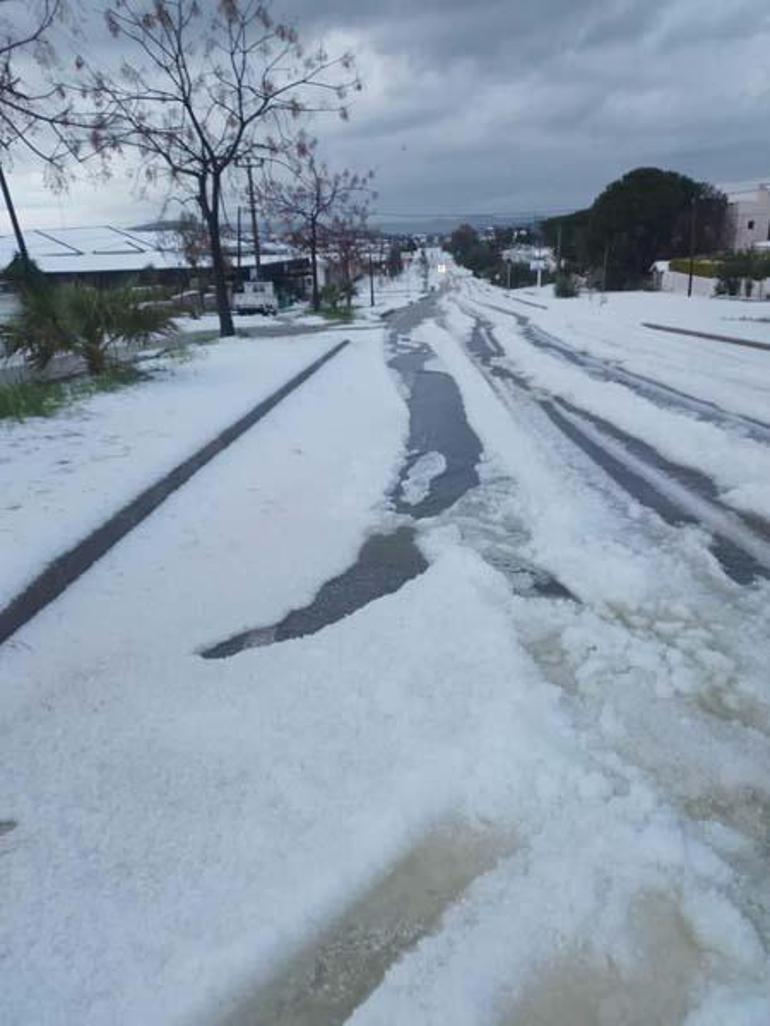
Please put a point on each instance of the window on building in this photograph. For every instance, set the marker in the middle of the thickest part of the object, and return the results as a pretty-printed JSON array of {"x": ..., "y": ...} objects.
[{"x": 750, "y": 225}]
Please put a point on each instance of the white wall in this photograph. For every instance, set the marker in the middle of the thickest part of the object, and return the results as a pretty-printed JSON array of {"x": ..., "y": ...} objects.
[
  {"x": 675, "y": 281},
  {"x": 751, "y": 209}
]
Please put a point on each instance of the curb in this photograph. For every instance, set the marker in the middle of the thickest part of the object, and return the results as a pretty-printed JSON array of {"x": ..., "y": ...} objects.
[
  {"x": 66, "y": 569},
  {"x": 745, "y": 342}
]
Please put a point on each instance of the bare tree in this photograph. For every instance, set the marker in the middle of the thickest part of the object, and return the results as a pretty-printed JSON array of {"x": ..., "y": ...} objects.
[
  {"x": 348, "y": 243},
  {"x": 315, "y": 204},
  {"x": 189, "y": 237},
  {"x": 23, "y": 40},
  {"x": 198, "y": 92}
]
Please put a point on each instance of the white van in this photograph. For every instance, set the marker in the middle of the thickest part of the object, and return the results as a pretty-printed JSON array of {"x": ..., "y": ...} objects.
[{"x": 258, "y": 297}]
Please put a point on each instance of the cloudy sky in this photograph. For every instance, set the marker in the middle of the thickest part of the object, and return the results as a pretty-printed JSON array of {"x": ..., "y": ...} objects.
[{"x": 508, "y": 106}]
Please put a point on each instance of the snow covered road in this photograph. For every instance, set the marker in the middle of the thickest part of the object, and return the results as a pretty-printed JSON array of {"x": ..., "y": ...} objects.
[{"x": 528, "y": 783}]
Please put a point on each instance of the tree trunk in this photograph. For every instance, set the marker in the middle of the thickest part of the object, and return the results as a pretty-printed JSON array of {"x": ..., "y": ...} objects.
[
  {"x": 314, "y": 268},
  {"x": 210, "y": 212},
  {"x": 14, "y": 221},
  {"x": 96, "y": 359}
]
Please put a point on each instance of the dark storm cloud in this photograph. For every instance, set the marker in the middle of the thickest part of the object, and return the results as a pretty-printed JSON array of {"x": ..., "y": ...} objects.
[
  {"x": 505, "y": 105},
  {"x": 516, "y": 105}
]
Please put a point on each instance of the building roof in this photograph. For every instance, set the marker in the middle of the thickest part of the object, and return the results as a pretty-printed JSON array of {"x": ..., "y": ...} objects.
[{"x": 91, "y": 250}]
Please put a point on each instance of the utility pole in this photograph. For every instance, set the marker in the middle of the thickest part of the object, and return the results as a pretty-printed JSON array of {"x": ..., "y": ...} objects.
[
  {"x": 558, "y": 248},
  {"x": 692, "y": 245},
  {"x": 23, "y": 253},
  {"x": 239, "y": 242},
  {"x": 248, "y": 167},
  {"x": 371, "y": 279},
  {"x": 254, "y": 226}
]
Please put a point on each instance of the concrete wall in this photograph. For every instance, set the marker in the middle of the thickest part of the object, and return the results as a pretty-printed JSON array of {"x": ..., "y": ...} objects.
[
  {"x": 675, "y": 281},
  {"x": 749, "y": 217}
]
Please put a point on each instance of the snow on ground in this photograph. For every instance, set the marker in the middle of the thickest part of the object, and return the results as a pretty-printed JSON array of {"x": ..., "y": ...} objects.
[
  {"x": 599, "y": 767},
  {"x": 62, "y": 476},
  {"x": 416, "y": 486},
  {"x": 184, "y": 825},
  {"x": 735, "y": 378},
  {"x": 740, "y": 466},
  {"x": 718, "y": 316}
]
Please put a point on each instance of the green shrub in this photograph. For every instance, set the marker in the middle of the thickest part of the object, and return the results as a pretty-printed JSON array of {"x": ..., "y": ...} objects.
[
  {"x": 701, "y": 268},
  {"x": 30, "y": 399},
  {"x": 44, "y": 398},
  {"x": 83, "y": 320},
  {"x": 331, "y": 296},
  {"x": 565, "y": 286}
]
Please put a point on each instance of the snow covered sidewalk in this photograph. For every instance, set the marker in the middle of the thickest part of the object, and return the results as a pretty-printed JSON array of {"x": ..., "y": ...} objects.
[{"x": 60, "y": 477}]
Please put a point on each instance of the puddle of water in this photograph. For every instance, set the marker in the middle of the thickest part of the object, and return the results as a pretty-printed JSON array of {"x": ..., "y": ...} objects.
[
  {"x": 328, "y": 979},
  {"x": 384, "y": 564},
  {"x": 579, "y": 990},
  {"x": 437, "y": 424}
]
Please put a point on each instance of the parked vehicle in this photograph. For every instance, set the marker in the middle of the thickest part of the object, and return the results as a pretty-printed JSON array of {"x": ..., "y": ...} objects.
[{"x": 257, "y": 297}]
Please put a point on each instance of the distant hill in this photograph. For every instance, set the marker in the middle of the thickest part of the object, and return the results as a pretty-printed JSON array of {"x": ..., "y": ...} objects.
[{"x": 445, "y": 224}]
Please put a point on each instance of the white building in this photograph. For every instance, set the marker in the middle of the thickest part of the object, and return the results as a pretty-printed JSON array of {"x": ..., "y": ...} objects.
[
  {"x": 528, "y": 254},
  {"x": 748, "y": 213}
]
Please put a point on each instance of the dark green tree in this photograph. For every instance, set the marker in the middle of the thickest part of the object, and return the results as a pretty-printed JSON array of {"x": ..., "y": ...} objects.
[{"x": 648, "y": 215}]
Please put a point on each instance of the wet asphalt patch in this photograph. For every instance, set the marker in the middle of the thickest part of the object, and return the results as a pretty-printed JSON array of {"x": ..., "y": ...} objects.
[
  {"x": 437, "y": 424},
  {"x": 384, "y": 564},
  {"x": 438, "y": 427}
]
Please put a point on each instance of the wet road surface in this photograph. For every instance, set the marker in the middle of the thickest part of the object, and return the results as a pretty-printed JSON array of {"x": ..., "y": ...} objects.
[{"x": 438, "y": 429}]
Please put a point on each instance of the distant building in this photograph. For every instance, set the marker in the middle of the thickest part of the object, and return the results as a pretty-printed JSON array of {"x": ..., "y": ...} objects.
[
  {"x": 748, "y": 213},
  {"x": 528, "y": 254},
  {"x": 107, "y": 256}
]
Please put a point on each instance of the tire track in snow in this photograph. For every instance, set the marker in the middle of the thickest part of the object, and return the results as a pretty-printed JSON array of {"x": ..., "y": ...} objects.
[
  {"x": 679, "y": 494},
  {"x": 657, "y": 392}
]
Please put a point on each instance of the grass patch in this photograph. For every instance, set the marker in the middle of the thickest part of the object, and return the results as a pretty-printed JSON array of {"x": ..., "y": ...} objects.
[
  {"x": 342, "y": 315},
  {"x": 701, "y": 267},
  {"x": 45, "y": 398},
  {"x": 31, "y": 399}
]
